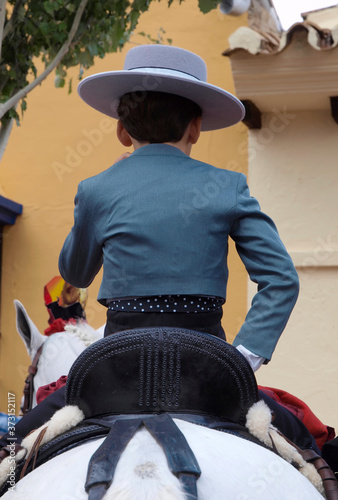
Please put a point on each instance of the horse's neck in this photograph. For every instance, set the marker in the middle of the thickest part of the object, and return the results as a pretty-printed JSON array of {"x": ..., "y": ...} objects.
[{"x": 59, "y": 353}]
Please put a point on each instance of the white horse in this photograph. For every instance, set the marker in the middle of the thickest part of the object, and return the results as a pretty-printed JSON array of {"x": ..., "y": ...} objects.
[
  {"x": 232, "y": 468},
  {"x": 59, "y": 351}
]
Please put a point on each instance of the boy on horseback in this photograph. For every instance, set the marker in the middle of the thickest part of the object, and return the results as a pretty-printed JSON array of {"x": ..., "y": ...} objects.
[{"x": 164, "y": 251}]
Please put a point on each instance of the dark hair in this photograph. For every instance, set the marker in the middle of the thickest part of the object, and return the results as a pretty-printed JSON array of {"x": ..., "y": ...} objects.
[{"x": 156, "y": 117}]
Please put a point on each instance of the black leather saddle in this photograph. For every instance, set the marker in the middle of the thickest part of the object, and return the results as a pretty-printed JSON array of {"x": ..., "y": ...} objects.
[
  {"x": 155, "y": 370},
  {"x": 146, "y": 377}
]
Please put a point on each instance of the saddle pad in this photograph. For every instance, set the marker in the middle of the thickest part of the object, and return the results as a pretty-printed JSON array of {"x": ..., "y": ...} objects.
[{"x": 162, "y": 370}]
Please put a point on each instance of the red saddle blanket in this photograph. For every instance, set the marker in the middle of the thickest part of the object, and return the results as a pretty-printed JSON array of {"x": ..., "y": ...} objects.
[
  {"x": 321, "y": 432},
  {"x": 46, "y": 390}
]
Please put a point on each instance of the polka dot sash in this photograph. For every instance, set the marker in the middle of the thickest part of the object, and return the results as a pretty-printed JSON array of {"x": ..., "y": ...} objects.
[{"x": 167, "y": 303}]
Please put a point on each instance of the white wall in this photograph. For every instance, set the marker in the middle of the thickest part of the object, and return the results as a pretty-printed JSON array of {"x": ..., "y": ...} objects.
[{"x": 293, "y": 171}]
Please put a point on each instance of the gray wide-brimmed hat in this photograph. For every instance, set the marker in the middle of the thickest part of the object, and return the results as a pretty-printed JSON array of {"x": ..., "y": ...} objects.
[{"x": 163, "y": 68}]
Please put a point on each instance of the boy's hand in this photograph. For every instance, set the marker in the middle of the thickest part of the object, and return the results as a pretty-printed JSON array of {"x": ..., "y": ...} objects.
[{"x": 123, "y": 156}]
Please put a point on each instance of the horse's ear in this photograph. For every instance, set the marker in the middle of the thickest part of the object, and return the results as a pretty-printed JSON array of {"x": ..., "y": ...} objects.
[{"x": 27, "y": 330}]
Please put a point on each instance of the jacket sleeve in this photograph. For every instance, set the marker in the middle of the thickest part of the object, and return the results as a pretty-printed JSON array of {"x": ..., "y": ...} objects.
[
  {"x": 81, "y": 255},
  {"x": 270, "y": 267}
]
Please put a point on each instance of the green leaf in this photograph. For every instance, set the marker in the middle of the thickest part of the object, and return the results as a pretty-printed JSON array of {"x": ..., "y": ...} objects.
[
  {"x": 206, "y": 6},
  {"x": 45, "y": 27},
  {"x": 49, "y": 7},
  {"x": 93, "y": 48},
  {"x": 12, "y": 113},
  {"x": 85, "y": 58},
  {"x": 59, "y": 82},
  {"x": 70, "y": 7},
  {"x": 70, "y": 85},
  {"x": 134, "y": 17},
  {"x": 23, "y": 106},
  {"x": 60, "y": 71}
]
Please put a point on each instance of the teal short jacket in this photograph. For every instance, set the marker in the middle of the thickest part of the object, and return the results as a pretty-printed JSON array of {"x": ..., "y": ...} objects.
[{"x": 159, "y": 222}]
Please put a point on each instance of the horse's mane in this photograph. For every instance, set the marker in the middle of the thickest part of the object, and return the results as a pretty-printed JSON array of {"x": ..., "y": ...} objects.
[{"x": 85, "y": 332}]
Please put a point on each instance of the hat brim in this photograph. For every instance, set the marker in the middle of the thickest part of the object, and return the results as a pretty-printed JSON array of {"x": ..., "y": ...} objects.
[{"x": 104, "y": 90}]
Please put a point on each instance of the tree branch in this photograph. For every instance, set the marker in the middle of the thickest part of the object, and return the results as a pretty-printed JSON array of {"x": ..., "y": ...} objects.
[
  {"x": 9, "y": 26},
  {"x": 6, "y": 106},
  {"x": 5, "y": 131},
  {"x": 2, "y": 21}
]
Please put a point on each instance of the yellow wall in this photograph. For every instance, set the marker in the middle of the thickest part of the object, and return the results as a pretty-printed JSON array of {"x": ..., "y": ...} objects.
[{"x": 62, "y": 141}]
